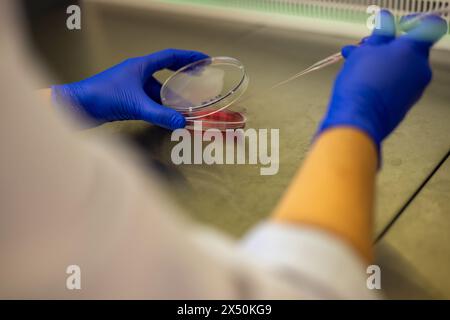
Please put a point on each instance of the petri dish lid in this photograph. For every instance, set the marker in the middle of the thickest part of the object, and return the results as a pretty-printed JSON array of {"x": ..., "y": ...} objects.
[{"x": 205, "y": 87}]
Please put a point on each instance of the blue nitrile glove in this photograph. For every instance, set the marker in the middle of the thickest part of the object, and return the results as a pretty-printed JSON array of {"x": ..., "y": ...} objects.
[
  {"x": 383, "y": 77},
  {"x": 127, "y": 91}
]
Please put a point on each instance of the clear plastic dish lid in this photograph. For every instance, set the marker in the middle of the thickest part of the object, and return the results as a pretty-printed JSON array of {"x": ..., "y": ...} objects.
[{"x": 202, "y": 88}]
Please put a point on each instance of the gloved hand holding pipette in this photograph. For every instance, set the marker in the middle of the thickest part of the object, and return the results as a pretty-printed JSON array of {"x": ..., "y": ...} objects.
[{"x": 366, "y": 93}]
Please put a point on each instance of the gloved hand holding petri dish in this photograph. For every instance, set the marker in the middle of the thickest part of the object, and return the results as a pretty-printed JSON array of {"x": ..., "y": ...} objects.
[{"x": 205, "y": 90}]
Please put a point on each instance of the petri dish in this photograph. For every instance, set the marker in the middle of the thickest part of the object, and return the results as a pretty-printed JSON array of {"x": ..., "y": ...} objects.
[{"x": 205, "y": 87}]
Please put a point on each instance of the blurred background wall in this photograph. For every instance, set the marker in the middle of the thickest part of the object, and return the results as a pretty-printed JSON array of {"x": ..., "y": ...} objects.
[
  {"x": 69, "y": 57},
  {"x": 62, "y": 50}
]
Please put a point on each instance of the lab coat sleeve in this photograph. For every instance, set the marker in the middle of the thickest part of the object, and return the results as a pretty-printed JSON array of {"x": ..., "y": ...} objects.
[
  {"x": 66, "y": 201},
  {"x": 322, "y": 265}
]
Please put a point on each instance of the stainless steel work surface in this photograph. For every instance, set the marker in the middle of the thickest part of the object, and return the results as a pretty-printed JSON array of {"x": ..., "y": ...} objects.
[{"x": 234, "y": 197}]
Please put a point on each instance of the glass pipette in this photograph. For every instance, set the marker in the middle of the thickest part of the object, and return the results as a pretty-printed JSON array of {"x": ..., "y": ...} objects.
[{"x": 316, "y": 66}]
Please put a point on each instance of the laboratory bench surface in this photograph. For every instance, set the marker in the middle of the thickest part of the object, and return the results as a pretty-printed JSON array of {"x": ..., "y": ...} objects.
[{"x": 414, "y": 247}]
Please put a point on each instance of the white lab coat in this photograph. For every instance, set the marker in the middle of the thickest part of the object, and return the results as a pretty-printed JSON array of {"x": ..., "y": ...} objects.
[{"x": 66, "y": 201}]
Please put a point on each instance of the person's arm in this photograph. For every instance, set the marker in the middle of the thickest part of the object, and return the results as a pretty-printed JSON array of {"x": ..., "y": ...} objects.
[
  {"x": 380, "y": 81},
  {"x": 334, "y": 189},
  {"x": 319, "y": 237}
]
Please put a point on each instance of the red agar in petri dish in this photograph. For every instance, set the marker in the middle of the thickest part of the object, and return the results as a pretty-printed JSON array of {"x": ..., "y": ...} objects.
[{"x": 221, "y": 120}]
